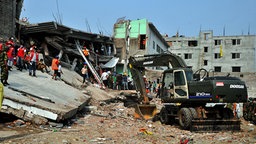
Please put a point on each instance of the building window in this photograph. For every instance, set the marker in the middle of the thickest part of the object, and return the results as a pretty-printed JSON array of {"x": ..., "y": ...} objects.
[
  {"x": 206, "y": 49},
  {"x": 143, "y": 41},
  {"x": 236, "y": 41},
  {"x": 118, "y": 51},
  {"x": 170, "y": 43},
  {"x": 192, "y": 43},
  {"x": 217, "y": 55},
  {"x": 217, "y": 42},
  {"x": 235, "y": 55},
  {"x": 206, "y": 36},
  {"x": 188, "y": 56},
  {"x": 158, "y": 49},
  {"x": 154, "y": 45},
  {"x": 205, "y": 62},
  {"x": 217, "y": 69},
  {"x": 236, "y": 69}
]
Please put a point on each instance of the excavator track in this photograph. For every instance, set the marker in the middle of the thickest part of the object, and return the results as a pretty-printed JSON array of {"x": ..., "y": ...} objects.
[{"x": 199, "y": 125}]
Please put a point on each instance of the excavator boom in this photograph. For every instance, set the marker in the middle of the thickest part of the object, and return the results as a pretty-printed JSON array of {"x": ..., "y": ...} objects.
[{"x": 166, "y": 59}]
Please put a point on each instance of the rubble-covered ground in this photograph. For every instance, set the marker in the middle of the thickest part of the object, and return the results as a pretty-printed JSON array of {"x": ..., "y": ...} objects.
[{"x": 110, "y": 120}]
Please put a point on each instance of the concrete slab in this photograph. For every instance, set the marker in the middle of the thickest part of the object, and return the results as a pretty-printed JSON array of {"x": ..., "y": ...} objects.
[{"x": 41, "y": 98}]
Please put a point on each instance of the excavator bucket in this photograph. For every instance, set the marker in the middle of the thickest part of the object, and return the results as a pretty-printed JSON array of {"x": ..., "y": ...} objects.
[{"x": 145, "y": 111}]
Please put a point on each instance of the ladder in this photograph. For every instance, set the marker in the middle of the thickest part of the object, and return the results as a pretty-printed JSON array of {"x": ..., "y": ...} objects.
[{"x": 94, "y": 72}]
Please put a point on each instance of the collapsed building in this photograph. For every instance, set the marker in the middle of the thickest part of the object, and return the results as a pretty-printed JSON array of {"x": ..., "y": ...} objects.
[
  {"x": 56, "y": 39},
  {"x": 39, "y": 99}
]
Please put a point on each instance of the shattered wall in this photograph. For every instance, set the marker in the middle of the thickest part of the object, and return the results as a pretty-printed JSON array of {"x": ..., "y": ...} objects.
[{"x": 9, "y": 11}]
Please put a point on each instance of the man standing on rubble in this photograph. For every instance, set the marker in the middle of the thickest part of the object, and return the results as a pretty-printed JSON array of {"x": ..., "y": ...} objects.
[
  {"x": 33, "y": 60},
  {"x": 3, "y": 64},
  {"x": 20, "y": 57},
  {"x": 86, "y": 52},
  {"x": 55, "y": 63},
  {"x": 84, "y": 72},
  {"x": 104, "y": 78},
  {"x": 10, "y": 52}
]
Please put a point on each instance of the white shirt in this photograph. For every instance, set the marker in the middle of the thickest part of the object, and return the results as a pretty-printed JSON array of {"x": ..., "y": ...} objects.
[{"x": 104, "y": 76}]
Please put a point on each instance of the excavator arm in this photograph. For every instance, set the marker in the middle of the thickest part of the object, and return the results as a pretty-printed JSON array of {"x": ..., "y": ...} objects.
[{"x": 169, "y": 60}]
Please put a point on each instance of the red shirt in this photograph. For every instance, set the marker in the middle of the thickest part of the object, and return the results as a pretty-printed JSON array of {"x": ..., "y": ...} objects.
[
  {"x": 31, "y": 56},
  {"x": 9, "y": 43},
  {"x": 21, "y": 52},
  {"x": 11, "y": 52}
]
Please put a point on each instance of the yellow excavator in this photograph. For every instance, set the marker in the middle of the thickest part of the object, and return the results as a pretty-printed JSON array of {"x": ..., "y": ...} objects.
[{"x": 194, "y": 100}]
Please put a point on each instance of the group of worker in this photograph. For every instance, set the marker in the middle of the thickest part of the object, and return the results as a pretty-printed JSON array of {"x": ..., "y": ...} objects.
[
  {"x": 116, "y": 81},
  {"x": 13, "y": 52},
  {"x": 110, "y": 79}
]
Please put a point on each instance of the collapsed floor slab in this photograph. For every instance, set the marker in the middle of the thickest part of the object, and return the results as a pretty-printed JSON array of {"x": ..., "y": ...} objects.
[{"x": 41, "y": 98}]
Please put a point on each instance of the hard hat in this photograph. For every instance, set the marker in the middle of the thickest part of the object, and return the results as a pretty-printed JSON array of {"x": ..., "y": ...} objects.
[{"x": 11, "y": 38}]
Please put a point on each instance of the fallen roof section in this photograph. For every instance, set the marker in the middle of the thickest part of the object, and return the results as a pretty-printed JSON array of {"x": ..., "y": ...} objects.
[
  {"x": 41, "y": 98},
  {"x": 111, "y": 63}
]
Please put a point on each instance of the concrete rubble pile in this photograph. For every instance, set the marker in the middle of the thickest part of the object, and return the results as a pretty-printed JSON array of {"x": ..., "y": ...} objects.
[{"x": 108, "y": 118}]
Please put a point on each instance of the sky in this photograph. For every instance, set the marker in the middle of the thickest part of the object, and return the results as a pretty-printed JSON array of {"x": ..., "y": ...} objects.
[{"x": 188, "y": 17}]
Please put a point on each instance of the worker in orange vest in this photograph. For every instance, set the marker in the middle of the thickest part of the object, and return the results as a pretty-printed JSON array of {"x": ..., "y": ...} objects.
[
  {"x": 55, "y": 63},
  {"x": 86, "y": 52}
]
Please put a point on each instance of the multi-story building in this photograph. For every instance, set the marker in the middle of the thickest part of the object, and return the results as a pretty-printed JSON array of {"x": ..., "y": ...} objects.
[
  {"x": 216, "y": 53},
  {"x": 136, "y": 37}
]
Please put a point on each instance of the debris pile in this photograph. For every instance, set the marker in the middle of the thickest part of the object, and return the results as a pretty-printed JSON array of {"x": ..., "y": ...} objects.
[{"x": 109, "y": 119}]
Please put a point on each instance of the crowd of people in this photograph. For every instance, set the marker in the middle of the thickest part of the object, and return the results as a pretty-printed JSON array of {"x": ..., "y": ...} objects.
[
  {"x": 14, "y": 53},
  {"x": 110, "y": 79}
]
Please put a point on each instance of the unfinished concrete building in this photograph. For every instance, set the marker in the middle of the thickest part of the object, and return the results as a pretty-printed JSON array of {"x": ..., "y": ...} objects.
[
  {"x": 136, "y": 37},
  {"x": 216, "y": 53},
  {"x": 220, "y": 55}
]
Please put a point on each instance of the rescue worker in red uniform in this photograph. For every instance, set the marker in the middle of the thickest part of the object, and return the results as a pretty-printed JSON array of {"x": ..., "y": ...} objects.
[
  {"x": 10, "y": 52},
  {"x": 20, "y": 57}
]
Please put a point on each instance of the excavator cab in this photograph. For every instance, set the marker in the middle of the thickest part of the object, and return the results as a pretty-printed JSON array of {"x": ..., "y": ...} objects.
[
  {"x": 175, "y": 83},
  {"x": 180, "y": 84}
]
